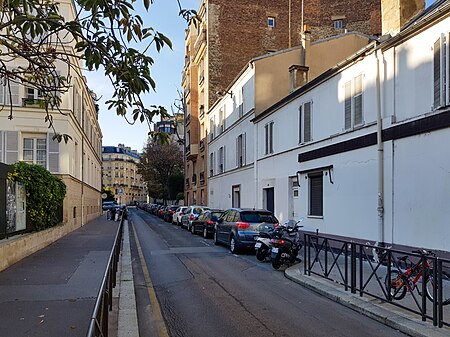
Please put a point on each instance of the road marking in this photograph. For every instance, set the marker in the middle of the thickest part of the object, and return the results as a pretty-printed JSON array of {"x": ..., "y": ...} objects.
[{"x": 156, "y": 309}]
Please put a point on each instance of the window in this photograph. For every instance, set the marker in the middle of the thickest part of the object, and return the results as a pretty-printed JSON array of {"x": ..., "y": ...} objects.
[
  {"x": 268, "y": 132},
  {"x": 441, "y": 71},
  {"x": 315, "y": 194},
  {"x": 240, "y": 150},
  {"x": 222, "y": 120},
  {"x": 35, "y": 151},
  {"x": 211, "y": 164},
  {"x": 353, "y": 104},
  {"x": 271, "y": 22},
  {"x": 221, "y": 159},
  {"x": 305, "y": 122},
  {"x": 338, "y": 24},
  {"x": 211, "y": 129}
]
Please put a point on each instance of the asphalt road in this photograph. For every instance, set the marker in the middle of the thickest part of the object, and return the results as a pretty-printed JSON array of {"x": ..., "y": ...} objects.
[{"x": 204, "y": 290}]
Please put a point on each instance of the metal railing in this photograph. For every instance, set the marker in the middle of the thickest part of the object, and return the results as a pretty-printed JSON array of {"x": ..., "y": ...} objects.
[
  {"x": 370, "y": 270},
  {"x": 98, "y": 326}
]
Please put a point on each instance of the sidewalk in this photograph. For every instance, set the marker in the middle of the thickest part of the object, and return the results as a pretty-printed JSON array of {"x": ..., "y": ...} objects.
[
  {"x": 383, "y": 312},
  {"x": 52, "y": 292}
]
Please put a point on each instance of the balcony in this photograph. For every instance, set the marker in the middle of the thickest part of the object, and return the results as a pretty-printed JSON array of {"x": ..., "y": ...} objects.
[
  {"x": 194, "y": 179},
  {"x": 187, "y": 182},
  {"x": 202, "y": 178},
  {"x": 33, "y": 102},
  {"x": 202, "y": 144},
  {"x": 201, "y": 41},
  {"x": 191, "y": 151}
]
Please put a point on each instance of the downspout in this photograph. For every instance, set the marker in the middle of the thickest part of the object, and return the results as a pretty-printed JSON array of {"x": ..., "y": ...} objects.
[
  {"x": 82, "y": 161},
  {"x": 289, "y": 46},
  {"x": 380, "y": 149}
]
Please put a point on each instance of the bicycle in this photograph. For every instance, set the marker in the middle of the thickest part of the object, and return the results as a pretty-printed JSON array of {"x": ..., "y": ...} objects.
[{"x": 402, "y": 281}]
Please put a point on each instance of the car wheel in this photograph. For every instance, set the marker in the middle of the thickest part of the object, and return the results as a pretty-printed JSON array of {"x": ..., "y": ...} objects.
[
  {"x": 233, "y": 248},
  {"x": 188, "y": 227},
  {"x": 205, "y": 233},
  {"x": 192, "y": 229}
]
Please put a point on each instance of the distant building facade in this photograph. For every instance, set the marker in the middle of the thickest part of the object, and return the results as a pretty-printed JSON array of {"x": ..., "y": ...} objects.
[{"x": 120, "y": 166}]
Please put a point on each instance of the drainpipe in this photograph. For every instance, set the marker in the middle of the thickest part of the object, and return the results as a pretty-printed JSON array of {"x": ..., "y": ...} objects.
[
  {"x": 380, "y": 149},
  {"x": 82, "y": 161}
]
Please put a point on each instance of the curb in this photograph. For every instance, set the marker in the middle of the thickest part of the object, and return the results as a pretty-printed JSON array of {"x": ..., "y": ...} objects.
[
  {"x": 369, "y": 307},
  {"x": 127, "y": 316}
]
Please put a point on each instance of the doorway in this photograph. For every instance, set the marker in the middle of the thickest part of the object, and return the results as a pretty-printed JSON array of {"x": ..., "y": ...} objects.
[{"x": 269, "y": 198}]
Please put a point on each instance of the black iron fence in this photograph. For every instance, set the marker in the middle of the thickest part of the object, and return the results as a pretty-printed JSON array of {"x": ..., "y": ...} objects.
[
  {"x": 418, "y": 282},
  {"x": 98, "y": 326}
]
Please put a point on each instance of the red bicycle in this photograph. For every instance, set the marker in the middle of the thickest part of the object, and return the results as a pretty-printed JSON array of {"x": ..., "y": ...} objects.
[{"x": 400, "y": 282}]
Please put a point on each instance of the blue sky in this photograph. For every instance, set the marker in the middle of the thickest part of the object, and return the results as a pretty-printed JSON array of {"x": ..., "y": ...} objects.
[
  {"x": 166, "y": 71},
  {"x": 163, "y": 16}
]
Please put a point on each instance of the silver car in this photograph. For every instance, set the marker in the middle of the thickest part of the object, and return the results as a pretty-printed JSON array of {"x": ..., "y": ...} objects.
[
  {"x": 178, "y": 214},
  {"x": 191, "y": 214}
]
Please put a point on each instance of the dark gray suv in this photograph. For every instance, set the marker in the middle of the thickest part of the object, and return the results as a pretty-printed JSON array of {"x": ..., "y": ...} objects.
[{"x": 239, "y": 227}]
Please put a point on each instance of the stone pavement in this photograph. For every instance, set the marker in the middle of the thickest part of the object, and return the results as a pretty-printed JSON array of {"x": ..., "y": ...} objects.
[
  {"x": 52, "y": 292},
  {"x": 383, "y": 312}
]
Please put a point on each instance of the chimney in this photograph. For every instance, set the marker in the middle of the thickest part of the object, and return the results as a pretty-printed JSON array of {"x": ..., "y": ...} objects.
[
  {"x": 306, "y": 44},
  {"x": 395, "y": 13},
  {"x": 298, "y": 75}
]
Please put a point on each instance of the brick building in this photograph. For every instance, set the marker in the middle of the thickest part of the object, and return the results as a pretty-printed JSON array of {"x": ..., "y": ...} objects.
[{"x": 233, "y": 32}]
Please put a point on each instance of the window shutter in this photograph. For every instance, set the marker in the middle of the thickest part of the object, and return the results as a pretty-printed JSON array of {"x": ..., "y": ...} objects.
[
  {"x": 12, "y": 147},
  {"x": 271, "y": 137},
  {"x": 348, "y": 105},
  {"x": 307, "y": 121},
  {"x": 437, "y": 73},
  {"x": 266, "y": 129},
  {"x": 1, "y": 146},
  {"x": 316, "y": 194},
  {"x": 223, "y": 160},
  {"x": 358, "y": 100},
  {"x": 300, "y": 124},
  {"x": 53, "y": 154},
  {"x": 244, "y": 144},
  {"x": 2, "y": 91},
  {"x": 12, "y": 93},
  {"x": 237, "y": 151}
]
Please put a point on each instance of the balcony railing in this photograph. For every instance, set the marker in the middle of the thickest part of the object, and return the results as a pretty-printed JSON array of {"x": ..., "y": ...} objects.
[
  {"x": 33, "y": 102},
  {"x": 202, "y": 144},
  {"x": 194, "y": 179},
  {"x": 200, "y": 40},
  {"x": 187, "y": 182},
  {"x": 202, "y": 178}
]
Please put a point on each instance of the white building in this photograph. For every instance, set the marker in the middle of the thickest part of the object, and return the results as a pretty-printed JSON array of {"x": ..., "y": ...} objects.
[{"x": 362, "y": 150}]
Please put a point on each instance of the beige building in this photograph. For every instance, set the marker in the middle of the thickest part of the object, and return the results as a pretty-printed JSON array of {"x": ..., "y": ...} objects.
[
  {"x": 27, "y": 137},
  {"x": 120, "y": 166}
]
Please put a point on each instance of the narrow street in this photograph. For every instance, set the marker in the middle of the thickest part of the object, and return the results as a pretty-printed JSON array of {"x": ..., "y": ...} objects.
[{"x": 204, "y": 290}]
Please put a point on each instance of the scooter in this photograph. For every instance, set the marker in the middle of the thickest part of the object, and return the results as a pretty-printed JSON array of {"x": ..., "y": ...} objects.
[
  {"x": 263, "y": 243},
  {"x": 286, "y": 247}
]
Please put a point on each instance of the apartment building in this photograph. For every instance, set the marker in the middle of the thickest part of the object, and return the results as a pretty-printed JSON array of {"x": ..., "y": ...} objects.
[
  {"x": 27, "y": 137},
  {"x": 120, "y": 174},
  {"x": 229, "y": 35}
]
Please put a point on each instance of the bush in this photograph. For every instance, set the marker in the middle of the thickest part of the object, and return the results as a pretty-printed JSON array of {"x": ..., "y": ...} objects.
[
  {"x": 45, "y": 194},
  {"x": 180, "y": 196}
]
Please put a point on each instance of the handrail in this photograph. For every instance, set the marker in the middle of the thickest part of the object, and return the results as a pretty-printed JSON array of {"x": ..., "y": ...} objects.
[
  {"x": 334, "y": 259},
  {"x": 98, "y": 326}
]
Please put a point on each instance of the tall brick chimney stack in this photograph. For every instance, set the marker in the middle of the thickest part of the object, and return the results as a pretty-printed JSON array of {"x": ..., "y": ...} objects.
[{"x": 395, "y": 13}]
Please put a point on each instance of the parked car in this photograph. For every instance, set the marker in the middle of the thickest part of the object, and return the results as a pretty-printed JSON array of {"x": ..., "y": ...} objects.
[
  {"x": 178, "y": 214},
  {"x": 239, "y": 227},
  {"x": 168, "y": 213},
  {"x": 206, "y": 221},
  {"x": 191, "y": 214},
  {"x": 106, "y": 205},
  {"x": 161, "y": 211}
]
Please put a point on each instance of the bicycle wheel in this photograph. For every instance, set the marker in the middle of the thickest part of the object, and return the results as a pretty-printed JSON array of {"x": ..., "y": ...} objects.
[
  {"x": 430, "y": 283},
  {"x": 396, "y": 285}
]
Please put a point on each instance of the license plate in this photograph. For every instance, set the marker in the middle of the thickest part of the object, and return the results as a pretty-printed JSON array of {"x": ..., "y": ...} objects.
[
  {"x": 275, "y": 250},
  {"x": 258, "y": 245}
]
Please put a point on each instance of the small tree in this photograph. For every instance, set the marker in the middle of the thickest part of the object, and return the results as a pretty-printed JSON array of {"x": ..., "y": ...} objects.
[{"x": 159, "y": 163}]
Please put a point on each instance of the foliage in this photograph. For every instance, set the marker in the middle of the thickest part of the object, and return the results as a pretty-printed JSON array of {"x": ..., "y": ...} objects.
[
  {"x": 45, "y": 193},
  {"x": 180, "y": 196},
  {"x": 175, "y": 185},
  {"x": 109, "y": 194},
  {"x": 109, "y": 35},
  {"x": 158, "y": 164}
]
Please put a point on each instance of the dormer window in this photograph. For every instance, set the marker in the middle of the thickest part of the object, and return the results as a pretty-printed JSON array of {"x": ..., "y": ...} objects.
[
  {"x": 271, "y": 22},
  {"x": 338, "y": 24}
]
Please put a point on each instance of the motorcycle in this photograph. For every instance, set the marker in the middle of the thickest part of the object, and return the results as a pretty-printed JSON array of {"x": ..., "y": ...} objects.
[{"x": 286, "y": 247}]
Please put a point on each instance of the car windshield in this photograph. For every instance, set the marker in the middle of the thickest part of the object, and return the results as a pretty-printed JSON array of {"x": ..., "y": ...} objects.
[
  {"x": 258, "y": 217},
  {"x": 197, "y": 210},
  {"x": 216, "y": 215},
  {"x": 173, "y": 208}
]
